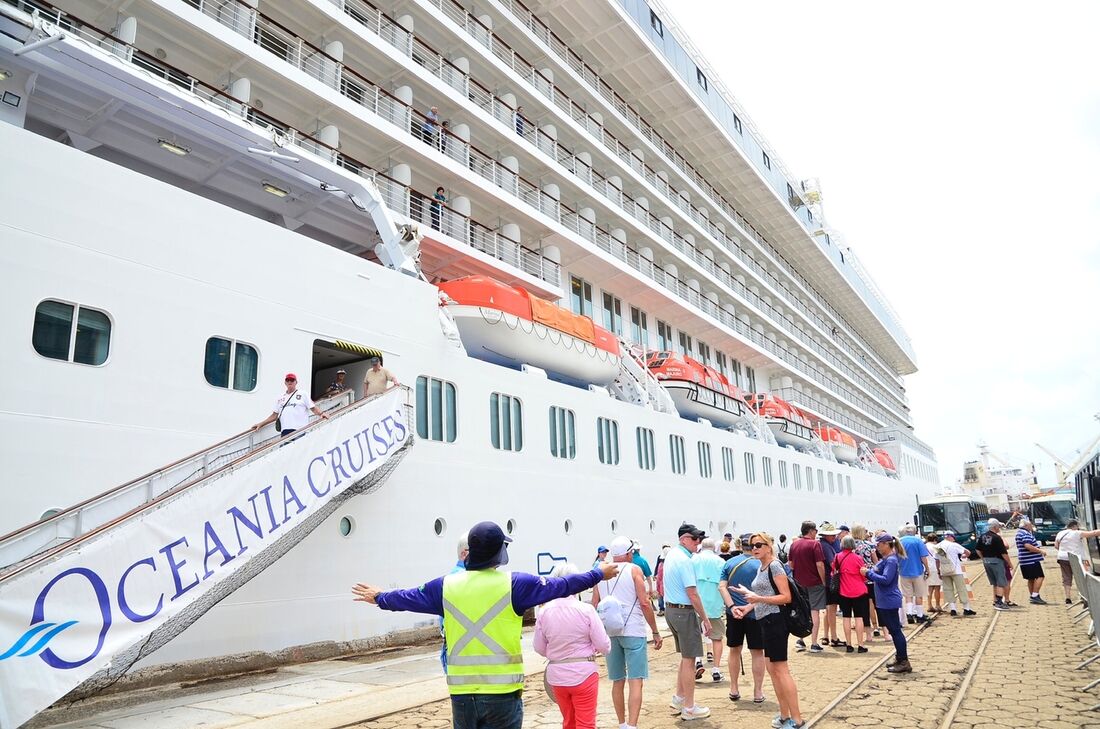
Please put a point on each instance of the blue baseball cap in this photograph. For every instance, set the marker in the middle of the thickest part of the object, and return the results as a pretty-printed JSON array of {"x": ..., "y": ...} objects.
[{"x": 488, "y": 546}]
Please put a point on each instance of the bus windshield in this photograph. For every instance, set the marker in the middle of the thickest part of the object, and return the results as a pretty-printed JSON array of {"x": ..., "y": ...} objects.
[
  {"x": 953, "y": 516},
  {"x": 1052, "y": 512}
]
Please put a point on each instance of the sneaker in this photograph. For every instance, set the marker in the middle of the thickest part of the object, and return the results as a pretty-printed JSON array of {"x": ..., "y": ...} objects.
[
  {"x": 954, "y": 614},
  {"x": 968, "y": 611},
  {"x": 911, "y": 619},
  {"x": 710, "y": 657},
  {"x": 716, "y": 675},
  {"x": 861, "y": 649},
  {"x": 690, "y": 713},
  {"x": 815, "y": 648},
  {"x": 1000, "y": 606},
  {"x": 778, "y": 722},
  {"x": 792, "y": 725},
  {"x": 920, "y": 619},
  {"x": 1037, "y": 600},
  {"x": 677, "y": 702},
  {"x": 800, "y": 644},
  {"x": 1069, "y": 601}
]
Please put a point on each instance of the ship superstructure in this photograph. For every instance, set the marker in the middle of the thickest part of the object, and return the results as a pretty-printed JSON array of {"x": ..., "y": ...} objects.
[{"x": 585, "y": 154}]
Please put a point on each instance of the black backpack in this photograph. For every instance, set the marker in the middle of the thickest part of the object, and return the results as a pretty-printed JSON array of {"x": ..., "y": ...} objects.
[{"x": 797, "y": 612}]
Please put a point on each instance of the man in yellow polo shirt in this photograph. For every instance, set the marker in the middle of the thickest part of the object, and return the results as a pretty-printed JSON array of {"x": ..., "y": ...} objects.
[{"x": 482, "y": 611}]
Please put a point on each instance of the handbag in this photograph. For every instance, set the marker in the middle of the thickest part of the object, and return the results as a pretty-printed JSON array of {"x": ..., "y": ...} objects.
[
  {"x": 279, "y": 417},
  {"x": 834, "y": 579}
]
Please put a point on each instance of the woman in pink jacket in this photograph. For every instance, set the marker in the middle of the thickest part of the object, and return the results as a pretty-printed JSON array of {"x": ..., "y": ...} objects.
[
  {"x": 569, "y": 633},
  {"x": 855, "y": 603}
]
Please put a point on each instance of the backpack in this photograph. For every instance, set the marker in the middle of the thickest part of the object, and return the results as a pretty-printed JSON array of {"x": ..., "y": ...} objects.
[
  {"x": 782, "y": 555},
  {"x": 796, "y": 614},
  {"x": 612, "y": 612},
  {"x": 947, "y": 566}
]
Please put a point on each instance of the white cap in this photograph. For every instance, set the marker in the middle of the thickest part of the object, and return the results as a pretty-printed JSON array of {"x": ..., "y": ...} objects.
[{"x": 621, "y": 545}]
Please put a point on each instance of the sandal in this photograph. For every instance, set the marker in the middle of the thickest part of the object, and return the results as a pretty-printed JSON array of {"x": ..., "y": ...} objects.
[
  {"x": 735, "y": 697},
  {"x": 759, "y": 699},
  {"x": 699, "y": 671}
]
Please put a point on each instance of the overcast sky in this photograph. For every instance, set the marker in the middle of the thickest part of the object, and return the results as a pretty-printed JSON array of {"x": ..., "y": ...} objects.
[{"x": 958, "y": 148}]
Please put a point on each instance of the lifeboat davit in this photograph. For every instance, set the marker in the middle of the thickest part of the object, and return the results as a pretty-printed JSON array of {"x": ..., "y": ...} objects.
[
  {"x": 843, "y": 445},
  {"x": 788, "y": 424},
  {"x": 508, "y": 326},
  {"x": 699, "y": 391},
  {"x": 886, "y": 461}
]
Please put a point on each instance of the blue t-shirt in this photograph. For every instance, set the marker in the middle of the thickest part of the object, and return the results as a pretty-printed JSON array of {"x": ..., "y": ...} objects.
[
  {"x": 1023, "y": 536},
  {"x": 915, "y": 552},
  {"x": 643, "y": 565},
  {"x": 708, "y": 572},
  {"x": 679, "y": 575},
  {"x": 740, "y": 571}
]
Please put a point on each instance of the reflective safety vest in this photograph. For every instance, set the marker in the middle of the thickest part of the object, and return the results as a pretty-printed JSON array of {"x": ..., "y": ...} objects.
[{"x": 483, "y": 633}]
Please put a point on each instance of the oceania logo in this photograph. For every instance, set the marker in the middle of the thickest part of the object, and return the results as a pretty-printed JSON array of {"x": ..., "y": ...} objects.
[{"x": 43, "y": 632}]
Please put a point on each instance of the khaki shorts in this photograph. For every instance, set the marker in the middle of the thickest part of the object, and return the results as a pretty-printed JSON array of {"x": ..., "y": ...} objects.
[
  {"x": 686, "y": 631},
  {"x": 717, "y": 628},
  {"x": 913, "y": 587}
]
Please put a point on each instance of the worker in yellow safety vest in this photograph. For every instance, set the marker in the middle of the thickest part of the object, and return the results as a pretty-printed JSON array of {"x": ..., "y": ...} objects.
[{"x": 482, "y": 611}]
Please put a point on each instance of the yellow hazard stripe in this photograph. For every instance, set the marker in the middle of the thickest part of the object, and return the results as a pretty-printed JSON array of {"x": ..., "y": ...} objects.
[{"x": 358, "y": 349}]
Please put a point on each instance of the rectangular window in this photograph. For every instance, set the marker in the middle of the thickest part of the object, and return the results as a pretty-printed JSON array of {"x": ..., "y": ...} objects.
[
  {"x": 676, "y": 453},
  {"x": 737, "y": 124},
  {"x": 664, "y": 336},
  {"x": 735, "y": 374},
  {"x": 767, "y": 160},
  {"x": 607, "y": 440},
  {"x": 721, "y": 364},
  {"x": 612, "y": 314},
  {"x": 750, "y": 379},
  {"x": 704, "y": 353},
  {"x": 766, "y": 468},
  {"x": 783, "y": 474},
  {"x": 705, "y": 469},
  {"x": 505, "y": 422},
  {"x": 727, "y": 463},
  {"x": 685, "y": 345},
  {"x": 701, "y": 77},
  {"x": 832, "y": 484},
  {"x": 563, "y": 433},
  {"x": 656, "y": 24},
  {"x": 228, "y": 362},
  {"x": 820, "y": 480},
  {"x": 580, "y": 296},
  {"x": 809, "y": 479},
  {"x": 436, "y": 409},
  {"x": 848, "y": 481},
  {"x": 55, "y": 337},
  {"x": 639, "y": 327},
  {"x": 647, "y": 456},
  {"x": 750, "y": 468}
]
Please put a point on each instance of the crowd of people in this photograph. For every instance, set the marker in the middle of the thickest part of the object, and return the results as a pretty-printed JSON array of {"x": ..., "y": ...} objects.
[{"x": 714, "y": 595}]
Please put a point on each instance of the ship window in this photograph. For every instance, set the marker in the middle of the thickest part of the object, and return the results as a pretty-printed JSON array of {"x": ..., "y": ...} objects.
[
  {"x": 750, "y": 468},
  {"x": 701, "y": 77},
  {"x": 55, "y": 337},
  {"x": 228, "y": 361},
  {"x": 721, "y": 365},
  {"x": 820, "y": 480},
  {"x": 750, "y": 379},
  {"x": 656, "y": 24},
  {"x": 809, "y": 479},
  {"x": 676, "y": 453},
  {"x": 796, "y": 475},
  {"x": 737, "y": 124},
  {"x": 727, "y": 463},
  {"x": 647, "y": 454},
  {"x": 664, "y": 336},
  {"x": 639, "y": 327},
  {"x": 505, "y": 422},
  {"x": 848, "y": 481},
  {"x": 704, "y": 353},
  {"x": 563, "y": 433},
  {"x": 685, "y": 344},
  {"x": 705, "y": 469},
  {"x": 612, "y": 314},
  {"x": 580, "y": 296},
  {"x": 832, "y": 487},
  {"x": 766, "y": 467},
  {"x": 607, "y": 441},
  {"x": 436, "y": 409},
  {"x": 767, "y": 160}
]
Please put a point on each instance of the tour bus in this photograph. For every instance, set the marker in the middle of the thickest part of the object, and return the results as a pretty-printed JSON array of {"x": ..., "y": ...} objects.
[
  {"x": 962, "y": 514},
  {"x": 1086, "y": 481},
  {"x": 1051, "y": 514}
]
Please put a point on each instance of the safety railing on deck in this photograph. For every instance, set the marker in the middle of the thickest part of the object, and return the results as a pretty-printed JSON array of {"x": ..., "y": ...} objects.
[{"x": 101, "y": 509}]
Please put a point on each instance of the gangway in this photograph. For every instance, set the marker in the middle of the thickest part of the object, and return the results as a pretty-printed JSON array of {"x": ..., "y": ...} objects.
[
  {"x": 88, "y": 592},
  {"x": 636, "y": 384}
]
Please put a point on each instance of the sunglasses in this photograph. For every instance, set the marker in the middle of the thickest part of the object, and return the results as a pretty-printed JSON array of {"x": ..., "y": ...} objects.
[
  {"x": 290, "y": 379},
  {"x": 758, "y": 545}
]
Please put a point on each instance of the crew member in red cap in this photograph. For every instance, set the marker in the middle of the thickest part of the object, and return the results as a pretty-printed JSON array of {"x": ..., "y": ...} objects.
[
  {"x": 292, "y": 409},
  {"x": 482, "y": 611}
]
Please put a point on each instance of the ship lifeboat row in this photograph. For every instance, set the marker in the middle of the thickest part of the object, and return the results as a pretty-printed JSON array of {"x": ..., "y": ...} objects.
[
  {"x": 699, "y": 391},
  {"x": 843, "y": 446},
  {"x": 506, "y": 325},
  {"x": 789, "y": 425},
  {"x": 886, "y": 461}
]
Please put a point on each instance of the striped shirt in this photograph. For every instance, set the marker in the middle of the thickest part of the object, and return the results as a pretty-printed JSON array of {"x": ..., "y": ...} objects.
[{"x": 1023, "y": 536}]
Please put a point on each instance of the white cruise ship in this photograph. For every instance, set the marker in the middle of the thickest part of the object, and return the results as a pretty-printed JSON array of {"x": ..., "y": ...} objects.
[{"x": 644, "y": 319}]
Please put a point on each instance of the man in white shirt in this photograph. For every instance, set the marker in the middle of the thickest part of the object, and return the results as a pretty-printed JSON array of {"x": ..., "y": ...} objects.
[
  {"x": 950, "y": 555},
  {"x": 1071, "y": 540},
  {"x": 292, "y": 409}
]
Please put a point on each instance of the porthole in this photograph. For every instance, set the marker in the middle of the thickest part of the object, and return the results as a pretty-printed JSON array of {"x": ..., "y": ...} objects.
[
  {"x": 347, "y": 526},
  {"x": 510, "y": 526},
  {"x": 652, "y": 527},
  {"x": 614, "y": 526},
  {"x": 440, "y": 526},
  {"x": 568, "y": 525}
]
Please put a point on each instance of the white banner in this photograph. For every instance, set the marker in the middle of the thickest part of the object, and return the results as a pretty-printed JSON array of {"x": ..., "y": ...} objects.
[{"x": 63, "y": 621}]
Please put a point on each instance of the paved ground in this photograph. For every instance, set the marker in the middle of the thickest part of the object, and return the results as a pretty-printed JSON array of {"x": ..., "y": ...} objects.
[{"x": 405, "y": 689}]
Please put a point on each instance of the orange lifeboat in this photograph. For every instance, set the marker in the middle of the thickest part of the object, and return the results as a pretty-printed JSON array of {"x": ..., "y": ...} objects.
[
  {"x": 843, "y": 445},
  {"x": 506, "y": 325},
  {"x": 788, "y": 424},
  {"x": 886, "y": 461},
  {"x": 699, "y": 391}
]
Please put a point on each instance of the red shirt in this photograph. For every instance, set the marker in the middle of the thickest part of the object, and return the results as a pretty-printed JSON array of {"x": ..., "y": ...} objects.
[
  {"x": 852, "y": 583},
  {"x": 803, "y": 557}
]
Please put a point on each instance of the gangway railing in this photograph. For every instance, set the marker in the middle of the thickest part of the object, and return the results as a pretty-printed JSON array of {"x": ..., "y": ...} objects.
[
  {"x": 80, "y": 614},
  {"x": 92, "y": 513}
]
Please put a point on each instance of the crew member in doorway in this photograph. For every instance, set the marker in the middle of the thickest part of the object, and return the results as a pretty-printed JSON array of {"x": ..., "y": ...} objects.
[
  {"x": 338, "y": 385},
  {"x": 377, "y": 377},
  {"x": 292, "y": 409}
]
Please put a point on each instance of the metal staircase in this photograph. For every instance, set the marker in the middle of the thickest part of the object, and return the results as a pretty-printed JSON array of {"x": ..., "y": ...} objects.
[{"x": 636, "y": 384}]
